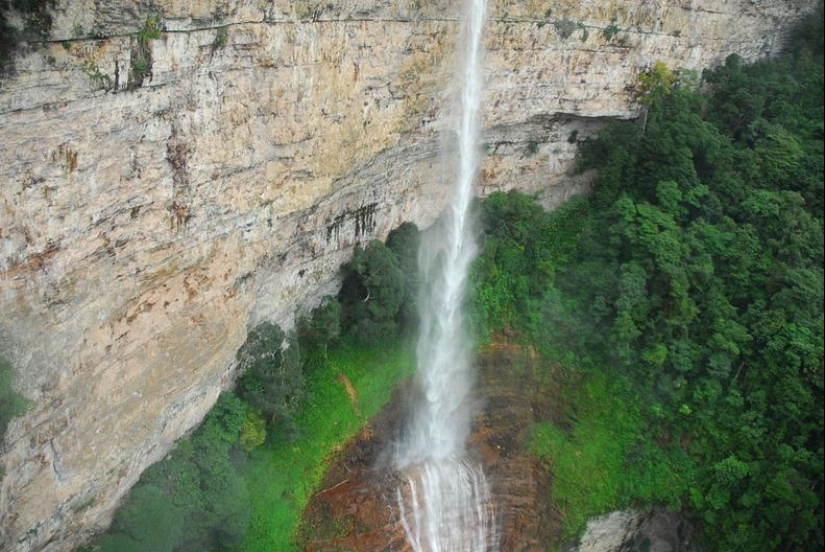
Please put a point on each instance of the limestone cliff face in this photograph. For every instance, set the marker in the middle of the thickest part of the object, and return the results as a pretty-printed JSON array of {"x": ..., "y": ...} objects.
[{"x": 159, "y": 196}]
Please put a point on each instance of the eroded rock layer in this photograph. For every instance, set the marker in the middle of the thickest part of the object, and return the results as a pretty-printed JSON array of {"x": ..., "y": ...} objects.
[{"x": 162, "y": 192}]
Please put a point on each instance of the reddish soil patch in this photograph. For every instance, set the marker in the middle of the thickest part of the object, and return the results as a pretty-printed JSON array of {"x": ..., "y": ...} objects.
[{"x": 356, "y": 507}]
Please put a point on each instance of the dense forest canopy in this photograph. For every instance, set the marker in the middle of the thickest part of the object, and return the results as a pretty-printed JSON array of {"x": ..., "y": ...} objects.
[{"x": 695, "y": 271}]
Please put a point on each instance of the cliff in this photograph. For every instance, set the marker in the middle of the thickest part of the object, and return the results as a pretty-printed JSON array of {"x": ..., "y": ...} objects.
[{"x": 175, "y": 172}]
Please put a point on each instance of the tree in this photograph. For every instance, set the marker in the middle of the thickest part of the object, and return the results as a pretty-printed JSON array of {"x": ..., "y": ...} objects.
[
  {"x": 372, "y": 293},
  {"x": 321, "y": 328},
  {"x": 271, "y": 378},
  {"x": 404, "y": 242},
  {"x": 148, "y": 522}
]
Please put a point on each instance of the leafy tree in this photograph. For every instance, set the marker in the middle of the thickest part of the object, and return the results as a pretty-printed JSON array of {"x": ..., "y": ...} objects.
[
  {"x": 372, "y": 293},
  {"x": 321, "y": 328},
  {"x": 657, "y": 82},
  {"x": 696, "y": 271},
  {"x": 253, "y": 430},
  {"x": 271, "y": 378},
  {"x": 404, "y": 242},
  {"x": 192, "y": 500},
  {"x": 148, "y": 521}
]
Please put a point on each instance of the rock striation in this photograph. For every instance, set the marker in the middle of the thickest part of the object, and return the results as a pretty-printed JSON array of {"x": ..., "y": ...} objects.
[{"x": 162, "y": 192}]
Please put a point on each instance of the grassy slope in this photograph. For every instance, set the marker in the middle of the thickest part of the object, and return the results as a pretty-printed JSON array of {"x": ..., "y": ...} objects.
[
  {"x": 606, "y": 459},
  {"x": 281, "y": 476}
]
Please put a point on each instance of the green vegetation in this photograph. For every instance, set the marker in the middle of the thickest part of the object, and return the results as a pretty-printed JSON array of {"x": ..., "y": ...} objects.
[
  {"x": 152, "y": 29},
  {"x": 378, "y": 293},
  {"x": 566, "y": 27},
  {"x": 12, "y": 404},
  {"x": 610, "y": 31},
  {"x": 692, "y": 281},
  {"x": 605, "y": 461},
  {"x": 221, "y": 37},
  {"x": 284, "y": 475},
  {"x": 241, "y": 481},
  {"x": 271, "y": 380},
  {"x": 194, "y": 499},
  {"x": 37, "y": 23},
  {"x": 142, "y": 50},
  {"x": 682, "y": 301}
]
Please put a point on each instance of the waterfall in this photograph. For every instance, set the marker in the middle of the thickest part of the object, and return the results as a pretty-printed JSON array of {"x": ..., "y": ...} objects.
[{"x": 445, "y": 503}]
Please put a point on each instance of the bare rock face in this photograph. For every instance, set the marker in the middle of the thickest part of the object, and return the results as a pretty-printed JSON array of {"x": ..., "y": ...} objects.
[
  {"x": 162, "y": 192},
  {"x": 653, "y": 530}
]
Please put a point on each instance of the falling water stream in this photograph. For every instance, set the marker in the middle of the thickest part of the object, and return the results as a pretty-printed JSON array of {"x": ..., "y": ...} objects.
[{"x": 444, "y": 502}]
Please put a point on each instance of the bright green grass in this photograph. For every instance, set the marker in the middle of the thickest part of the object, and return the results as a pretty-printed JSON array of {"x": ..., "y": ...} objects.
[
  {"x": 607, "y": 460},
  {"x": 282, "y": 476}
]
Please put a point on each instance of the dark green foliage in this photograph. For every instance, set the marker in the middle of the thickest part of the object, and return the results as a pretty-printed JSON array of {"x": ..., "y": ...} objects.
[
  {"x": 697, "y": 273},
  {"x": 141, "y": 52},
  {"x": 323, "y": 326},
  {"x": 199, "y": 478},
  {"x": 610, "y": 31},
  {"x": 516, "y": 267},
  {"x": 148, "y": 521},
  {"x": 372, "y": 293},
  {"x": 37, "y": 24},
  {"x": 271, "y": 378},
  {"x": 566, "y": 27},
  {"x": 194, "y": 499},
  {"x": 404, "y": 242},
  {"x": 12, "y": 404},
  {"x": 318, "y": 331}
]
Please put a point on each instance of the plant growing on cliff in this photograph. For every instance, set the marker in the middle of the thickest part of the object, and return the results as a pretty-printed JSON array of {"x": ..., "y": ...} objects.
[
  {"x": 141, "y": 53},
  {"x": 37, "y": 22},
  {"x": 372, "y": 293},
  {"x": 566, "y": 27},
  {"x": 152, "y": 29},
  {"x": 610, "y": 31},
  {"x": 271, "y": 378},
  {"x": 12, "y": 404},
  {"x": 221, "y": 37}
]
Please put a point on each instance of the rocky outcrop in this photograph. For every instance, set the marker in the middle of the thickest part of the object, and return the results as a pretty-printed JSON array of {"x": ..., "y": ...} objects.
[
  {"x": 160, "y": 193},
  {"x": 651, "y": 530}
]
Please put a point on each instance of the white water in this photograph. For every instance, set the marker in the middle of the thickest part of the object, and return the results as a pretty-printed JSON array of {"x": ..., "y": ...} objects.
[{"x": 445, "y": 503}]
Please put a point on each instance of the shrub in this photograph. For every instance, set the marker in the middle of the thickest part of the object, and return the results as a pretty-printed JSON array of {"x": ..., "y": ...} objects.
[
  {"x": 372, "y": 293},
  {"x": 12, "y": 404},
  {"x": 271, "y": 378}
]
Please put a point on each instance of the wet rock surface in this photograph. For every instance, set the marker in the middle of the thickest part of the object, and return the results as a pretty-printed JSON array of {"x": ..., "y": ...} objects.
[{"x": 356, "y": 508}]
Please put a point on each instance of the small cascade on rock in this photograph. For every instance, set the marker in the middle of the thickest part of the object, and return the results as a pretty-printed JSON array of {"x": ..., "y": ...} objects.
[
  {"x": 444, "y": 502},
  {"x": 446, "y": 506}
]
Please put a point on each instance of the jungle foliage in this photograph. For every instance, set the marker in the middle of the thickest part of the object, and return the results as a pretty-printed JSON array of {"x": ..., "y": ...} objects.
[
  {"x": 695, "y": 272},
  {"x": 378, "y": 293}
]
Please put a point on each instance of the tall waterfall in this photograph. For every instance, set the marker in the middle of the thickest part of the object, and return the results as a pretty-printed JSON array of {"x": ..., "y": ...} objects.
[{"x": 445, "y": 501}]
